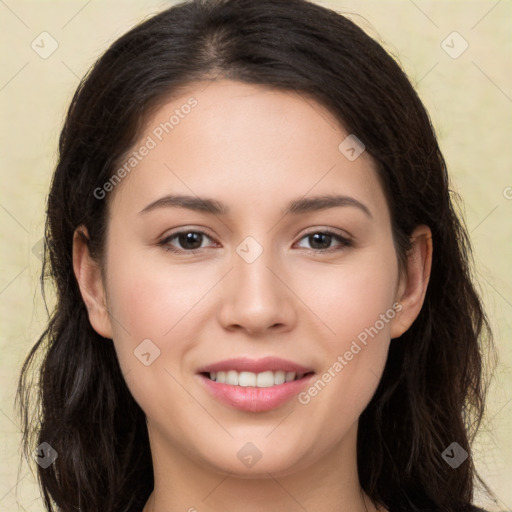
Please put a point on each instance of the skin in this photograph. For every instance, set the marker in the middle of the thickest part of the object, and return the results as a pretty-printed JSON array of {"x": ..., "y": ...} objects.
[{"x": 254, "y": 149}]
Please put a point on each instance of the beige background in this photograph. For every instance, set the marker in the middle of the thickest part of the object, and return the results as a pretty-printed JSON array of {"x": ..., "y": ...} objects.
[{"x": 469, "y": 99}]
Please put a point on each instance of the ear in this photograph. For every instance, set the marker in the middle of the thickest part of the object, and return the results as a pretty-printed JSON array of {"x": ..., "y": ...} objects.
[
  {"x": 88, "y": 274},
  {"x": 413, "y": 284}
]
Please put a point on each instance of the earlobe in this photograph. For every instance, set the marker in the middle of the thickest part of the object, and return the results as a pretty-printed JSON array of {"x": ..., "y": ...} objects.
[
  {"x": 413, "y": 285},
  {"x": 88, "y": 274}
]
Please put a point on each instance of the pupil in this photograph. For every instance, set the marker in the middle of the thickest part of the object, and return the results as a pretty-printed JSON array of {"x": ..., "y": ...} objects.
[
  {"x": 192, "y": 238},
  {"x": 318, "y": 237}
]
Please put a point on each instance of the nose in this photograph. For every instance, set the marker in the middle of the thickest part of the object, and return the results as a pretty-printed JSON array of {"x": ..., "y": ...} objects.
[{"x": 257, "y": 297}]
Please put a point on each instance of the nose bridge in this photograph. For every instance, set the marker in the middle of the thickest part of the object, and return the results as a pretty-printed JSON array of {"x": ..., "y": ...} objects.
[
  {"x": 252, "y": 263},
  {"x": 257, "y": 298}
]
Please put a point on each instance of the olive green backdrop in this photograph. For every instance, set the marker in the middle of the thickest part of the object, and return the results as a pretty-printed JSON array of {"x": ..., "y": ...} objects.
[{"x": 458, "y": 53}]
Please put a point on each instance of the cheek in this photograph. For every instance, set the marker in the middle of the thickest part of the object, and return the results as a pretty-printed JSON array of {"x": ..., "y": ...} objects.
[
  {"x": 156, "y": 312},
  {"x": 350, "y": 296},
  {"x": 152, "y": 298},
  {"x": 357, "y": 307},
  {"x": 151, "y": 323}
]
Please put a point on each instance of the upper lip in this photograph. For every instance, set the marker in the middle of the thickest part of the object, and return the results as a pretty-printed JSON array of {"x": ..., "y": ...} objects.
[{"x": 244, "y": 364}]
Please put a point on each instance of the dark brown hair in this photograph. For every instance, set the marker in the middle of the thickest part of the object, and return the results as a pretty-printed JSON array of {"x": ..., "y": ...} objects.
[{"x": 432, "y": 391}]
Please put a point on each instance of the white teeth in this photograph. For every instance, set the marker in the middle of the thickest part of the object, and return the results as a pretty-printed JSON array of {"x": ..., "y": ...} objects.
[
  {"x": 232, "y": 378},
  {"x": 279, "y": 377},
  {"x": 247, "y": 379},
  {"x": 265, "y": 379},
  {"x": 259, "y": 380}
]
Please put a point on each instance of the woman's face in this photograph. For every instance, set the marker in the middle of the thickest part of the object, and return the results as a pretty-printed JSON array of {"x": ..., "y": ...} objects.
[{"x": 260, "y": 179}]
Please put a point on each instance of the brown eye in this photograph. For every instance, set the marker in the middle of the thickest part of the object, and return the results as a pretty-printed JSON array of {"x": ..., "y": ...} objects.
[
  {"x": 320, "y": 241},
  {"x": 187, "y": 240}
]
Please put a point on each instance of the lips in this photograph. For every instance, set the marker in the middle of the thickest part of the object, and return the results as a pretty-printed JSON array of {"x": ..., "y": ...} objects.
[{"x": 254, "y": 385}]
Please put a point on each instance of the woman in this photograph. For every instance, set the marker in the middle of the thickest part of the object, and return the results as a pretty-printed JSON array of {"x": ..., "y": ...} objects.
[{"x": 317, "y": 346}]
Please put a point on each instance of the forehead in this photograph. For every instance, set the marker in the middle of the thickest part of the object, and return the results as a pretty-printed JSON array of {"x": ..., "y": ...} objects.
[{"x": 245, "y": 145}]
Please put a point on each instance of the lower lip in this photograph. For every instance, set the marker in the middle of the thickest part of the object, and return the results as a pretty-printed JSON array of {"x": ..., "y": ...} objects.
[{"x": 254, "y": 399}]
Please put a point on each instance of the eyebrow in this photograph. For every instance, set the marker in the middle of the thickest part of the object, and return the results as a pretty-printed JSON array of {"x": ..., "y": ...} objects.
[{"x": 296, "y": 207}]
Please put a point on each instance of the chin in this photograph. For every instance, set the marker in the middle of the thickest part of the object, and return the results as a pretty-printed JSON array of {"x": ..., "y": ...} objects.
[{"x": 255, "y": 460}]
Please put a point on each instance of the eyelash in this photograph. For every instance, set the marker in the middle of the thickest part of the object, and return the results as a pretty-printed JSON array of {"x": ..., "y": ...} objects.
[{"x": 344, "y": 242}]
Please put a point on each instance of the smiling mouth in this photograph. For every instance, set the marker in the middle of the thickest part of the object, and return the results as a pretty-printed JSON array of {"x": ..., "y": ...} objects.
[{"x": 250, "y": 379}]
